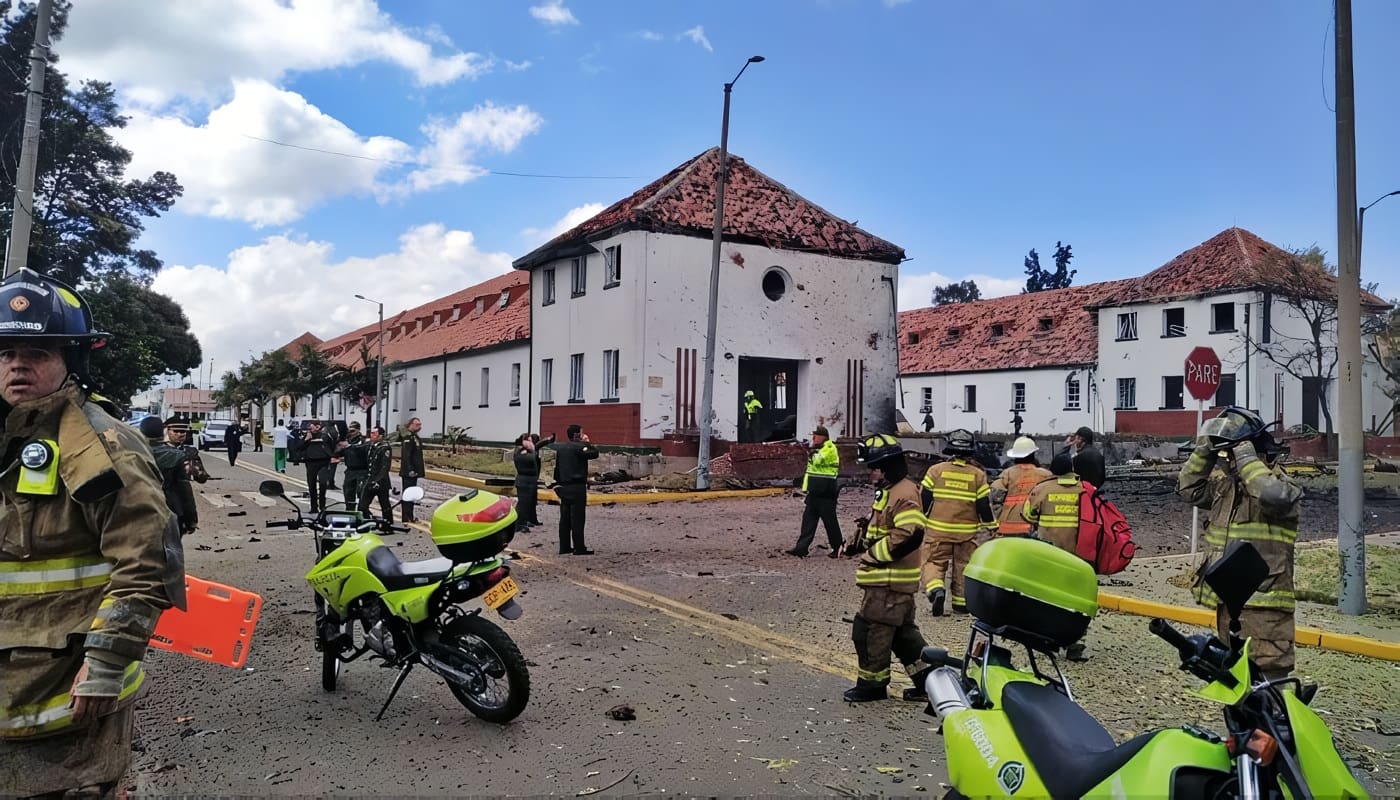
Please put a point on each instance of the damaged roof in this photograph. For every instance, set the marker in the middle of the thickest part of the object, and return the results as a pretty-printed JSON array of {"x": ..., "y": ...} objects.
[{"x": 757, "y": 209}]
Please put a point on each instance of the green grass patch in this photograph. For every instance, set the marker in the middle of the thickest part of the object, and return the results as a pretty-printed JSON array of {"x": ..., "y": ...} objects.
[
  {"x": 485, "y": 462},
  {"x": 1316, "y": 575}
]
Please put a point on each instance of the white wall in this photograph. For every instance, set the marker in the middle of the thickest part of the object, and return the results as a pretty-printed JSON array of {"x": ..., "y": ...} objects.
[
  {"x": 499, "y": 420},
  {"x": 1045, "y": 412}
]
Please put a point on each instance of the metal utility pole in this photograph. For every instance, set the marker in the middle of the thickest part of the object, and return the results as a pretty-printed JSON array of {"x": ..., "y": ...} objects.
[
  {"x": 379, "y": 391},
  {"x": 1351, "y": 538},
  {"x": 707, "y": 393},
  {"x": 22, "y": 214}
]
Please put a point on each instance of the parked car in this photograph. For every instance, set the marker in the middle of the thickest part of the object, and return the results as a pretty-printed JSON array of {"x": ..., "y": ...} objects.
[{"x": 212, "y": 436}]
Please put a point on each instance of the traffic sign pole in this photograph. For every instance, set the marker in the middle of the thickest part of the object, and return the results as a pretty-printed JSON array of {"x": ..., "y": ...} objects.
[
  {"x": 1196, "y": 512},
  {"x": 1202, "y": 379}
]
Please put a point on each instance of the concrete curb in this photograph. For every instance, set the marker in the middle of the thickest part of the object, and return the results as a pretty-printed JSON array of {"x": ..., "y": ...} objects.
[
  {"x": 1304, "y": 635},
  {"x": 602, "y": 498}
]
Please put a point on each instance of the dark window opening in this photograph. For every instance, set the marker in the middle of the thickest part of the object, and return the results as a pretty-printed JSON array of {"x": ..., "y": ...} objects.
[
  {"x": 1046, "y": 323},
  {"x": 1173, "y": 391},
  {"x": 969, "y": 398},
  {"x": 1266, "y": 335},
  {"x": 913, "y": 338},
  {"x": 774, "y": 285},
  {"x": 1174, "y": 322},
  {"x": 1222, "y": 317},
  {"x": 1225, "y": 393},
  {"x": 998, "y": 330},
  {"x": 954, "y": 333}
]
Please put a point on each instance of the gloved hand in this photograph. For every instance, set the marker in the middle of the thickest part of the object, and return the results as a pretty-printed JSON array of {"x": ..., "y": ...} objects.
[
  {"x": 95, "y": 690},
  {"x": 1244, "y": 449},
  {"x": 865, "y": 562},
  {"x": 862, "y": 524}
]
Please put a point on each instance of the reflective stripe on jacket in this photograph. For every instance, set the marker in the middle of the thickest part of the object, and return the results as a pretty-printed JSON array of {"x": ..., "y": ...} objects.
[
  {"x": 53, "y": 714},
  {"x": 823, "y": 465},
  {"x": 960, "y": 500},
  {"x": 1053, "y": 509},
  {"x": 895, "y": 516},
  {"x": 1010, "y": 490}
]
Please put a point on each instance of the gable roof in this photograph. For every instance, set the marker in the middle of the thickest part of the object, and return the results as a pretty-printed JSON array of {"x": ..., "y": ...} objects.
[
  {"x": 757, "y": 209},
  {"x": 1072, "y": 338},
  {"x": 293, "y": 348}
]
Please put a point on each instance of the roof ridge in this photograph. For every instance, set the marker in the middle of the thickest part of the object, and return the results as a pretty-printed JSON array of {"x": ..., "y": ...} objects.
[
  {"x": 682, "y": 172},
  {"x": 1239, "y": 241}
]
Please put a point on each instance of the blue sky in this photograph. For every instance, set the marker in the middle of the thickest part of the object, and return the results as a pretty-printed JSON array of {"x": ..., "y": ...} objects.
[{"x": 967, "y": 133}]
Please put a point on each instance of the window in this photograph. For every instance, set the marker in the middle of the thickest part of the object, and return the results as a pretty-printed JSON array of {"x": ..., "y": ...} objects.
[
  {"x": 1225, "y": 393},
  {"x": 485, "y": 387},
  {"x": 456, "y": 390},
  {"x": 579, "y": 269},
  {"x": 610, "y": 374},
  {"x": 774, "y": 284},
  {"x": 1018, "y": 397},
  {"x": 1173, "y": 322},
  {"x": 548, "y": 293},
  {"x": 1072, "y": 401},
  {"x": 998, "y": 330},
  {"x": 1173, "y": 391},
  {"x": 432, "y": 397},
  {"x": 926, "y": 400},
  {"x": 1127, "y": 326},
  {"x": 1045, "y": 324},
  {"x": 576, "y": 378},
  {"x": 612, "y": 266},
  {"x": 1222, "y": 317},
  {"x": 413, "y": 395},
  {"x": 913, "y": 338},
  {"x": 505, "y": 299},
  {"x": 1127, "y": 393},
  {"x": 954, "y": 333},
  {"x": 515, "y": 384},
  {"x": 1266, "y": 333},
  {"x": 969, "y": 398},
  {"x": 546, "y": 380},
  {"x": 396, "y": 396}
]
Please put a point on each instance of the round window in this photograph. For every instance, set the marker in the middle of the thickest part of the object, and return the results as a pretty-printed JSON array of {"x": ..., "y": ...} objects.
[{"x": 775, "y": 283}]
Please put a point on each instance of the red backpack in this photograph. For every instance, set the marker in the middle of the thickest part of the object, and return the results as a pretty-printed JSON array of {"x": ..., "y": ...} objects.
[{"x": 1105, "y": 538}]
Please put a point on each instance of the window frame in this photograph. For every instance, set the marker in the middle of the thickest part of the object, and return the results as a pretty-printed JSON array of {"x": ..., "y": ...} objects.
[
  {"x": 433, "y": 394},
  {"x": 1167, "y": 324},
  {"x": 576, "y": 364},
  {"x": 612, "y": 266},
  {"x": 457, "y": 389},
  {"x": 546, "y": 381},
  {"x": 1018, "y": 397},
  {"x": 1234, "y": 390},
  {"x": 515, "y": 373},
  {"x": 611, "y": 374},
  {"x": 926, "y": 400},
  {"x": 413, "y": 394},
  {"x": 1131, "y": 385},
  {"x": 1128, "y": 332},
  {"x": 1076, "y": 402},
  {"x": 548, "y": 296},
  {"x": 578, "y": 276},
  {"x": 1215, "y": 309},
  {"x": 970, "y": 398},
  {"x": 1173, "y": 386},
  {"x": 485, "y": 388}
]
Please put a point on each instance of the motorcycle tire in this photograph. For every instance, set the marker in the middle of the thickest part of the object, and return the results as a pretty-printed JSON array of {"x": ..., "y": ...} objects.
[
  {"x": 330, "y": 658},
  {"x": 491, "y": 654}
]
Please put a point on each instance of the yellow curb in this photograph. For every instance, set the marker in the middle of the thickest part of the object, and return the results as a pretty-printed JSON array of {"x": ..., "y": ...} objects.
[
  {"x": 1303, "y": 635},
  {"x": 601, "y": 498}
]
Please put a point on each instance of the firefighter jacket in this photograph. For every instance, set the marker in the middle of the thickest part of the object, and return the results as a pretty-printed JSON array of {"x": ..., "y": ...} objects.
[
  {"x": 958, "y": 500},
  {"x": 893, "y": 540},
  {"x": 1053, "y": 509},
  {"x": 381, "y": 456},
  {"x": 1245, "y": 500},
  {"x": 823, "y": 465},
  {"x": 1009, "y": 493},
  {"x": 89, "y": 557}
]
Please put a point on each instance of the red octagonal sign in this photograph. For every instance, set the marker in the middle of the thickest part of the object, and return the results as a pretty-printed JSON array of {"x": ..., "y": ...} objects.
[{"x": 1202, "y": 373}]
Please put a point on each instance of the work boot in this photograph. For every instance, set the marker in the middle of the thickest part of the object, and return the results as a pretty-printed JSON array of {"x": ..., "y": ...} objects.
[
  {"x": 959, "y": 608},
  {"x": 935, "y": 600},
  {"x": 835, "y": 551},
  {"x": 865, "y": 694},
  {"x": 795, "y": 552},
  {"x": 917, "y": 692},
  {"x": 1077, "y": 652}
]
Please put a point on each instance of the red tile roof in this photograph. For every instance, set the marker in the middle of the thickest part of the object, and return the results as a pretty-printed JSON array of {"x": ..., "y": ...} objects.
[
  {"x": 757, "y": 209},
  {"x": 293, "y": 348}
]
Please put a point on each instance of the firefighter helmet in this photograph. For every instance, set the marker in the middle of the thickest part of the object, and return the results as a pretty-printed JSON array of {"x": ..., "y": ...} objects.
[
  {"x": 34, "y": 306},
  {"x": 873, "y": 450},
  {"x": 1238, "y": 424},
  {"x": 959, "y": 443}
]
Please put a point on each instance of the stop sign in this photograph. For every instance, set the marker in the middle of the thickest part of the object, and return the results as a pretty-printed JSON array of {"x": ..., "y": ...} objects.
[{"x": 1202, "y": 373}]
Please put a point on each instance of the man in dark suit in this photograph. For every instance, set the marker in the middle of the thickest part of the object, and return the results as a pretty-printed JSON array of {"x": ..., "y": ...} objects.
[
  {"x": 571, "y": 485},
  {"x": 1088, "y": 461},
  {"x": 411, "y": 462}
]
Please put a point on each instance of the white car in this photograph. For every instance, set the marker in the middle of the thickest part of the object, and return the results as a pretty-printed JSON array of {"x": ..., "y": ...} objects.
[{"x": 213, "y": 434}]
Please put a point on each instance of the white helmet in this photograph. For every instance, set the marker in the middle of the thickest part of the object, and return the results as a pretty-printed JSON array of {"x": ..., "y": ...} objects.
[{"x": 1022, "y": 447}]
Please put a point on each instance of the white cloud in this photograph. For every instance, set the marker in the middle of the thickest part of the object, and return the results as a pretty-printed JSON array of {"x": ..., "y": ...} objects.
[
  {"x": 553, "y": 12},
  {"x": 517, "y": 66},
  {"x": 650, "y": 36},
  {"x": 155, "y": 52},
  {"x": 575, "y": 216},
  {"x": 283, "y": 287},
  {"x": 454, "y": 143},
  {"x": 697, "y": 35},
  {"x": 916, "y": 290}
]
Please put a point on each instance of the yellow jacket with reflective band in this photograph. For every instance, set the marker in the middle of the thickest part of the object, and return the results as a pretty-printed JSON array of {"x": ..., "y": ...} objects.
[
  {"x": 961, "y": 501},
  {"x": 84, "y": 571},
  {"x": 752, "y": 406},
  {"x": 823, "y": 465},
  {"x": 1247, "y": 501},
  {"x": 894, "y": 517},
  {"x": 1009, "y": 493},
  {"x": 1052, "y": 508}
]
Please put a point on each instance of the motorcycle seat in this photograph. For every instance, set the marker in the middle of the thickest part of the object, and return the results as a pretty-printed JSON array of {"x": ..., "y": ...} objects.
[
  {"x": 396, "y": 574},
  {"x": 1070, "y": 750}
]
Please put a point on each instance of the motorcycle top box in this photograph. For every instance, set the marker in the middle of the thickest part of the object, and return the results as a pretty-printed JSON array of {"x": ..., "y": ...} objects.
[
  {"x": 1033, "y": 586},
  {"x": 473, "y": 526}
]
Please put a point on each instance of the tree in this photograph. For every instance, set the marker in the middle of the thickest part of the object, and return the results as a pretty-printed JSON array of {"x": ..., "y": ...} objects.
[
  {"x": 316, "y": 373},
  {"x": 960, "y": 292},
  {"x": 150, "y": 337},
  {"x": 1383, "y": 345},
  {"x": 1039, "y": 279},
  {"x": 357, "y": 380}
]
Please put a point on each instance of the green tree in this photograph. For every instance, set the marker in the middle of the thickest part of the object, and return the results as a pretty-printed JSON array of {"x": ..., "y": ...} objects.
[
  {"x": 317, "y": 375},
  {"x": 150, "y": 336},
  {"x": 960, "y": 292},
  {"x": 1039, "y": 279}
]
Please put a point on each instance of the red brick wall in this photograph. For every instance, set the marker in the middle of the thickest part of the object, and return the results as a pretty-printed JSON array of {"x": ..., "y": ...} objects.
[
  {"x": 1316, "y": 447},
  {"x": 605, "y": 423},
  {"x": 1157, "y": 423}
]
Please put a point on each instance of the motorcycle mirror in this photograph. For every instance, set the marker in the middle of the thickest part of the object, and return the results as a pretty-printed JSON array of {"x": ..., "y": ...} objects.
[
  {"x": 1237, "y": 575},
  {"x": 412, "y": 494},
  {"x": 271, "y": 489}
]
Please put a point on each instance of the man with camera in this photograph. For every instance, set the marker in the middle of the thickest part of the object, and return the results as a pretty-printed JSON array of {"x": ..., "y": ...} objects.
[{"x": 571, "y": 485}]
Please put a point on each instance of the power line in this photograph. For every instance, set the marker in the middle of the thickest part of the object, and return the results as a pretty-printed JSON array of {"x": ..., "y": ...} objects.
[{"x": 421, "y": 165}]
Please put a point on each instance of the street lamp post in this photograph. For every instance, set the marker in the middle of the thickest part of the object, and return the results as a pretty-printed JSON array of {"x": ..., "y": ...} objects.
[
  {"x": 707, "y": 395},
  {"x": 378, "y": 366},
  {"x": 1361, "y": 219}
]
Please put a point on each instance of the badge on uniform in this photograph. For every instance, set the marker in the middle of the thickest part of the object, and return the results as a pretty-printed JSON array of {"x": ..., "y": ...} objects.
[{"x": 38, "y": 473}]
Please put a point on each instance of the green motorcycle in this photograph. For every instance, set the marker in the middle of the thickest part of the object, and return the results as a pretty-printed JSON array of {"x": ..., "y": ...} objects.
[
  {"x": 1014, "y": 732},
  {"x": 409, "y": 612}
]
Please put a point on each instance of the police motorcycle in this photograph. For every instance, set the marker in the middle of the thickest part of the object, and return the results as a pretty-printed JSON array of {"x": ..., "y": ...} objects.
[
  {"x": 1011, "y": 731},
  {"x": 410, "y": 612}
]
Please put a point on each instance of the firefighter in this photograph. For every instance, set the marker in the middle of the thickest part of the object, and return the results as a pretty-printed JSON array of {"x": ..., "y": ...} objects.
[
  {"x": 1052, "y": 508},
  {"x": 957, "y": 502},
  {"x": 822, "y": 488},
  {"x": 888, "y": 576},
  {"x": 89, "y": 553},
  {"x": 1013, "y": 486},
  {"x": 752, "y": 408},
  {"x": 1248, "y": 497}
]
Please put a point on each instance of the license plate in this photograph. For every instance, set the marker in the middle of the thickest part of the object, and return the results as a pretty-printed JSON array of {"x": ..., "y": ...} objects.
[{"x": 497, "y": 595}]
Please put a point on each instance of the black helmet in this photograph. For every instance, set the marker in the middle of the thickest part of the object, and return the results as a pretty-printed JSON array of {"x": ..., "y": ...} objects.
[
  {"x": 34, "y": 306},
  {"x": 959, "y": 443},
  {"x": 872, "y": 450},
  {"x": 1234, "y": 425}
]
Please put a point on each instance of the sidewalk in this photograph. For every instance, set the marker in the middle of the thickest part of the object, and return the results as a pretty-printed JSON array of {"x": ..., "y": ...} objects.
[{"x": 1146, "y": 582}]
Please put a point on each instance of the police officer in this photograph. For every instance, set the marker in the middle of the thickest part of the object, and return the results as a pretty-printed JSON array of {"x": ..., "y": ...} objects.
[
  {"x": 1232, "y": 475},
  {"x": 822, "y": 487},
  {"x": 888, "y": 576},
  {"x": 571, "y": 486},
  {"x": 527, "y": 477},
  {"x": 379, "y": 457},
  {"x": 89, "y": 551},
  {"x": 753, "y": 407},
  {"x": 178, "y": 466},
  {"x": 957, "y": 501},
  {"x": 356, "y": 458},
  {"x": 317, "y": 450},
  {"x": 411, "y": 466}
]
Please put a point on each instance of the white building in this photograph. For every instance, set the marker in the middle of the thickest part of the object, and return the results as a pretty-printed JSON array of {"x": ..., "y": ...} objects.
[
  {"x": 619, "y": 308},
  {"x": 1111, "y": 355}
]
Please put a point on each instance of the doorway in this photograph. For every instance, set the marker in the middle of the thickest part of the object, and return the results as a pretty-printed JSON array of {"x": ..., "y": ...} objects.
[
  {"x": 1313, "y": 392},
  {"x": 774, "y": 384}
]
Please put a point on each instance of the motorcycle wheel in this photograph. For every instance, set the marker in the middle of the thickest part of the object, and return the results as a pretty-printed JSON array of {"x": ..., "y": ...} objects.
[
  {"x": 500, "y": 687},
  {"x": 330, "y": 659}
]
